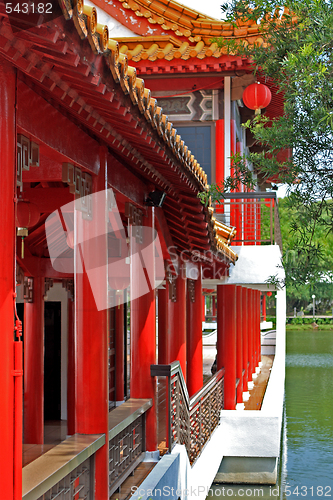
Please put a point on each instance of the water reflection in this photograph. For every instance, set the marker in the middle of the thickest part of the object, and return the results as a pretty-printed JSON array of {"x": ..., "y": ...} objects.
[{"x": 306, "y": 465}]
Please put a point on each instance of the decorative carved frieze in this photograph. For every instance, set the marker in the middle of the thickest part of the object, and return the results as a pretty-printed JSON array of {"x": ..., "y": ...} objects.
[
  {"x": 196, "y": 106},
  {"x": 27, "y": 156},
  {"x": 80, "y": 184}
]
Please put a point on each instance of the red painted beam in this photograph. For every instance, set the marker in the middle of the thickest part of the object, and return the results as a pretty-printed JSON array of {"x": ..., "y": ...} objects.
[
  {"x": 42, "y": 122},
  {"x": 48, "y": 199},
  {"x": 34, "y": 266},
  {"x": 49, "y": 170}
]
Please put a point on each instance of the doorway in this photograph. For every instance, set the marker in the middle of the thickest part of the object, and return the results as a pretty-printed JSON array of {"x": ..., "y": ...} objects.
[{"x": 52, "y": 361}]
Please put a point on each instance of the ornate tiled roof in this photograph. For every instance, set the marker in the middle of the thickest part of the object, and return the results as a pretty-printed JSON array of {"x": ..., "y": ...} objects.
[
  {"x": 86, "y": 23},
  {"x": 172, "y": 31}
]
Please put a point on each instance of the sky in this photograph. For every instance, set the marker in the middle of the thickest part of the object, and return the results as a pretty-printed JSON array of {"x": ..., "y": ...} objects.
[{"x": 209, "y": 7}]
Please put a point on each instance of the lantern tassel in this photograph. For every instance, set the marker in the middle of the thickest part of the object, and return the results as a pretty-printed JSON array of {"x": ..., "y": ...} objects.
[{"x": 22, "y": 247}]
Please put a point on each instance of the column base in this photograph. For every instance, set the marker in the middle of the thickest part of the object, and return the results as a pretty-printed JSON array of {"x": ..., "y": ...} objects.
[{"x": 250, "y": 470}]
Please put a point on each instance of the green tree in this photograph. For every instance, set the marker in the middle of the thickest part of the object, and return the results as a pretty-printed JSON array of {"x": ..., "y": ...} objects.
[
  {"x": 299, "y": 295},
  {"x": 297, "y": 55}
]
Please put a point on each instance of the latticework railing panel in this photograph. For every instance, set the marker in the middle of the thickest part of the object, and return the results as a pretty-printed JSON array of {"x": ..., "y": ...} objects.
[
  {"x": 204, "y": 418},
  {"x": 124, "y": 449},
  {"x": 179, "y": 414},
  {"x": 75, "y": 485},
  {"x": 192, "y": 425}
]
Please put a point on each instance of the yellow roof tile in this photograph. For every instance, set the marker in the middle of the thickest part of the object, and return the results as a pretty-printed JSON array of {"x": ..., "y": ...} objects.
[{"x": 181, "y": 22}]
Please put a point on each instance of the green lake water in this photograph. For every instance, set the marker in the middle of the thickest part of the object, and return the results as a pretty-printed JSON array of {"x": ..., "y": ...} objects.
[{"x": 306, "y": 464}]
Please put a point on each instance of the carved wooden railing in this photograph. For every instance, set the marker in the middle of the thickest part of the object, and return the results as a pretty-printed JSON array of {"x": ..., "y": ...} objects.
[
  {"x": 66, "y": 472},
  {"x": 191, "y": 421},
  {"x": 127, "y": 440},
  {"x": 256, "y": 216}
]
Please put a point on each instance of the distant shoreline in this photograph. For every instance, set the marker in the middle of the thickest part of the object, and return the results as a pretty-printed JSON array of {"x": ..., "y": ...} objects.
[{"x": 309, "y": 328}]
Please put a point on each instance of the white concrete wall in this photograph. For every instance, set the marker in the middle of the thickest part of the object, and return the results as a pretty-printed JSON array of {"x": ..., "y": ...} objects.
[
  {"x": 173, "y": 477},
  {"x": 257, "y": 433}
]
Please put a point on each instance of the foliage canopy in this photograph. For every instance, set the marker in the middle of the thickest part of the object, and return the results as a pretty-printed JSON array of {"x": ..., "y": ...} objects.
[{"x": 296, "y": 54}]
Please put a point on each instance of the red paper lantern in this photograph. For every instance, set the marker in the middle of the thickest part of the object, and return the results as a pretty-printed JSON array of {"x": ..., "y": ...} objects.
[
  {"x": 119, "y": 283},
  {"x": 27, "y": 214},
  {"x": 257, "y": 96},
  {"x": 269, "y": 294}
]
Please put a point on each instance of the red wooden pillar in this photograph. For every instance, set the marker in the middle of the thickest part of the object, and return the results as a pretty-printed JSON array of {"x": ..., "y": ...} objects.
[
  {"x": 250, "y": 334},
  {"x": 91, "y": 402},
  {"x": 258, "y": 328},
  {"x": 194, "y": 337},
  {"x": 143, "y": 335},
  {"x": 34, "y": 365},
  {"x": 71, "y": 370},
  {"x": 239, "y": 343},
  {"x": 177, "y": 324},
  {"x": 245, "y": 337},
  {"x": 163, "y": 300},
  {"x": 7, "y": 284},
  {"x": 120, "y": 354},
  {"x": 253, "y": 324},
  {"x": 226, "y": 341},
  {"x": 254, "y": 331}
]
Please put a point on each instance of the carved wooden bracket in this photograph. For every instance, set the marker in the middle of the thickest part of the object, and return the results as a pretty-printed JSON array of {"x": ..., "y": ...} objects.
[
  {"x": 80, "y": 184},
  {"x": 28, "y": 289},
  {"x": 48, "y": 283},
  {"x": 27, "y": 156},
  {"x": 135, "y": 216},
  {"x": 191, "y": 289},
  {"x": 69, "y": 285},
  {"x": 172, "y": 288}
]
